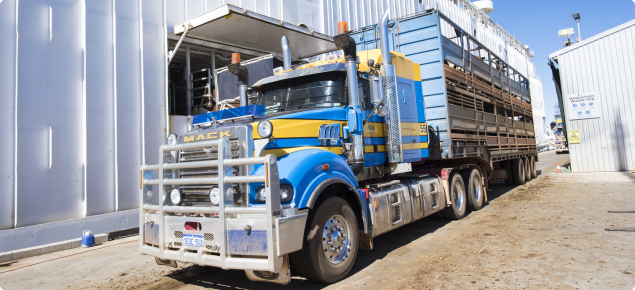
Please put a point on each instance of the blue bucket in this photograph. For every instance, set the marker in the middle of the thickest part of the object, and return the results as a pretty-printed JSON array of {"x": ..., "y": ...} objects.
[{"x": 88, "y": 239}]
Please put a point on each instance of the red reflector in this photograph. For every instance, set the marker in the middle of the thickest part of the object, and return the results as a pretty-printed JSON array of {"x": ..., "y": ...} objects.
[
  {"x": 192, "y": 226},
  {"x": 365, "y": 190},
  {"x": 445, "y": 174}
]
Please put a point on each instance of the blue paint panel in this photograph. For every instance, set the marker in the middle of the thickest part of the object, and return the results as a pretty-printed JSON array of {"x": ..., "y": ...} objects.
[
  {"x": 374, "y": 159},
  {"x": 252, "y": 110},
  {"x": 420, "y": 105},
  {"x": 294, "y": 142},
  {"x": 374, "y": 141},
  {"x": 423, "y": 139},
  {"x": 431, "y": 71},
  {"x": 424, "y": 153},
  {"x": 252, "y": 243},
  {"x": 335, "y": 114},
  {"x": 431, "y": 87}
]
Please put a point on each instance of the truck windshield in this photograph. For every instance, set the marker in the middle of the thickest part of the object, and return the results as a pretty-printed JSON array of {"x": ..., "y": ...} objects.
[{"x": 313, "y": 91}]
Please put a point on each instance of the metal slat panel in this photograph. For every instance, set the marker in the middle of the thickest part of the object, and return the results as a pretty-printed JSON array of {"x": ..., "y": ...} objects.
[
  {"x": 128, "y": 101},
  {"x": 50, "y": 86},
  {"x": 625, "y": 54},
  {"x": 153, "y": 93},
  {"x": 100, "y": 101},
  {"x": 8, "y": 90}
]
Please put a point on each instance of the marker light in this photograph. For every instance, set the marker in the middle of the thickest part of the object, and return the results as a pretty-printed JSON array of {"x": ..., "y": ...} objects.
[
  {"x": 214, "y": 195},
  {"x": 172, "y": 139},
  {"x": 176, "y": 196},
  {"x": 265, "y": 129}
]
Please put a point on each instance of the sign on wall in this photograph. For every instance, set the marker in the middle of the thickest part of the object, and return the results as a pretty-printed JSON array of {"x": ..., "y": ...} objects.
[
  {"x": 583, "y": 106},
  {"x": 574, "y": 136}
]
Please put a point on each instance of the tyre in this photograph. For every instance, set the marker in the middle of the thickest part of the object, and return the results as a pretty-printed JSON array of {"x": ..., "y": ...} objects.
[
  {"x": 329, "y": 252},
  {"x": 534, "y": 174},
  {"x": 518, "y": 171},
  {"x": 527, "y": 169},
  {"x": 507, "y": 165},
  {"x": 475, "y": 190},
  {"x": 457, "y": 209}
]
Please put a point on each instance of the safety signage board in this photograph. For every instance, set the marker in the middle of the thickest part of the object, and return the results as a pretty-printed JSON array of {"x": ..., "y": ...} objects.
[
  {"x": 574, "y": 136},
  {"x": 583, "y": 106}
]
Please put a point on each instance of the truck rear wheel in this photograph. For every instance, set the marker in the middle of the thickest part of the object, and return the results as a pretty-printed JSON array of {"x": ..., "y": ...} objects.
[
  {"x": 474, "y": 187},
  {"x": 528, "y": 176},
  {"x": 457, "y": 209},
  {"x": 533, "y": 167},
  {"x": 518, "y": 171},
  {"x": 329, "y": 252},
  {"x": 507, "y": 165}
]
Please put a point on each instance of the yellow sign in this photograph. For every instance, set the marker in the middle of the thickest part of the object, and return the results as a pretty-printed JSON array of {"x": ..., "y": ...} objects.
[{"x": 574, "y": 136}]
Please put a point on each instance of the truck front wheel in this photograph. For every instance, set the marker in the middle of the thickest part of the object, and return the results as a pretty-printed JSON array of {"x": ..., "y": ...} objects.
[
  {"x": 456, "y": 210},
  {"x": 330, "y": 245}
]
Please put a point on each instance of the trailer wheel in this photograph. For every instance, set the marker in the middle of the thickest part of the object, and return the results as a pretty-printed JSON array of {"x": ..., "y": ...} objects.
[
  {"x": 474, "y": 187},
  {"x": 329, "y": 252},
  {"x": 533, "y": 167},
  {"x": 457, "y": 209},
  {"x": 528, "y": 176},
  {"x": 507, "y": 165},
  {"x": 518, "y": 171}
]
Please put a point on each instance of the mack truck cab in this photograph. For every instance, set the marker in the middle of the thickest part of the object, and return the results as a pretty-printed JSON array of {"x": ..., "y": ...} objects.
[{"x": 306, "y": 171}]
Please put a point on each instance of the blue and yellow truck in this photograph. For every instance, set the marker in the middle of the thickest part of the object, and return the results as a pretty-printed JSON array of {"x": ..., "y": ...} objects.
[{"x": 324, "y": 156}]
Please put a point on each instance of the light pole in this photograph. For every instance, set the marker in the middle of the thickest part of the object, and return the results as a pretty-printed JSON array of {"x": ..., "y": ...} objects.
[{"x": 577, "y": 19}]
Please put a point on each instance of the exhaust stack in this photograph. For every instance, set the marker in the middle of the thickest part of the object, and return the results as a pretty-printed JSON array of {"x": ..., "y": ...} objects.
[
  {"x": 286, "y": 53},
  {"x": 393, "y": 119},
  {"x": 355, "y": 122},
  {"x": 243, "y": 77}
]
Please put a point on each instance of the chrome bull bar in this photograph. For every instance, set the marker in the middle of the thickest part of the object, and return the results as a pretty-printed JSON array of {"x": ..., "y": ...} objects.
[{"x": 270, "y": 215}]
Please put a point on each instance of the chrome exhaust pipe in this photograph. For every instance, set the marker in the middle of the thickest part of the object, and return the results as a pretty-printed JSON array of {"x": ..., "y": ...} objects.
[
  {"x": 286, "y": 53},
  {"x": 389, "y": 74},
  {"x": 243, "y": 77}
]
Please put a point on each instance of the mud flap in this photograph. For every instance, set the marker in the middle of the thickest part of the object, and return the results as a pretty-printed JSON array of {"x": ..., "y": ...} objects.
[
  {"x": 282, "y": 278},
  {"x": 170, "y": 263}
]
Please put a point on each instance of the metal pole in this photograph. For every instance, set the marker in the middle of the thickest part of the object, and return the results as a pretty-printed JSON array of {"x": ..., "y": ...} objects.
[
  {"x": 214, "y": 76},
  {"x": 188, "y": 82},
  {"x": 579, "y": 33}
]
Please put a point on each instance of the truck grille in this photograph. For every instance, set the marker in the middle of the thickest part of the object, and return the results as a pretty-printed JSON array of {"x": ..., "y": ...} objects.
[{"x": 199, "y": 194}]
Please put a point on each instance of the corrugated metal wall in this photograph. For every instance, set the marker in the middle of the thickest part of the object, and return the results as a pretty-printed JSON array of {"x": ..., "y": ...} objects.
[
  {"x": 604, "y": 63},
  {"x": 76, "y": 106}
]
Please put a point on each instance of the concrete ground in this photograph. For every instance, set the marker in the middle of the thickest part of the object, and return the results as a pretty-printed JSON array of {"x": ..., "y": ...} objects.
[{"x": 549, "y": 233}]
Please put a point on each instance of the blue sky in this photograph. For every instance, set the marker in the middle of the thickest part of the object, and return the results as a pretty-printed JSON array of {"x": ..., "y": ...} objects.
[{"x": 536, "y": 23}]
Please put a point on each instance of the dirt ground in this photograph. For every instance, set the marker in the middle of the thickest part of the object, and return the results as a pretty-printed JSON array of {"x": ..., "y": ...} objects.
[{"x": 547, "y": 234}]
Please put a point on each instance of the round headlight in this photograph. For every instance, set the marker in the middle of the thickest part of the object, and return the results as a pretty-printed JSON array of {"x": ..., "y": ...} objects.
[
  {"x": 214, "y": 195},
  {"x": 176, "y": 196},
  {"x": 265, "y": 129},
  {"x": 172, "y": 139}
]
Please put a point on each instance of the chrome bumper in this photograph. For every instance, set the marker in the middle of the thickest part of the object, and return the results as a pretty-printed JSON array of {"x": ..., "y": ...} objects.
[{"x": 245, "y": 238}]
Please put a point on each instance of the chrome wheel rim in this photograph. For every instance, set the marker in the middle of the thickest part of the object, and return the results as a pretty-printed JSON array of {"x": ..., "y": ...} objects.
[
  {"x": 477, "y": 190},
  {"x": 336, "y": 239},
  {"x": 458, "y": 195}
]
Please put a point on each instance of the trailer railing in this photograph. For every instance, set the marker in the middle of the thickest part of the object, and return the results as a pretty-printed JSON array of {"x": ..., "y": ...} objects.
[{"x": 226, "y": 210}]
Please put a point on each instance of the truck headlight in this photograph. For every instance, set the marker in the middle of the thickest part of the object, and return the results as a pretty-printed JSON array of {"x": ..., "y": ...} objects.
[
  {"x": 172, "y": 139},
  {"x": 265, "y": 129},
  {"x": 176, "y": 196},
  {"x": 214, "y": 195},
  {"x": 286, "y": 194}
]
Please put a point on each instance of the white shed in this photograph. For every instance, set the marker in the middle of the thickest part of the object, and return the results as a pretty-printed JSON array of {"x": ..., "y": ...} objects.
[{"x": 597, "y": 80}]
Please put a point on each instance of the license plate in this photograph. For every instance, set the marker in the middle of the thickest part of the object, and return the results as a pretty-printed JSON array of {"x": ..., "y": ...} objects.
[{"x": 193, "y": 240}]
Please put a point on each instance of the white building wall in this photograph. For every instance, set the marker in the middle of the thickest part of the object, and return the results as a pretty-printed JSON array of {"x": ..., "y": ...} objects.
[
  {"x": 604, "y": 64},
  {"x": 76, "y": 111}
]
